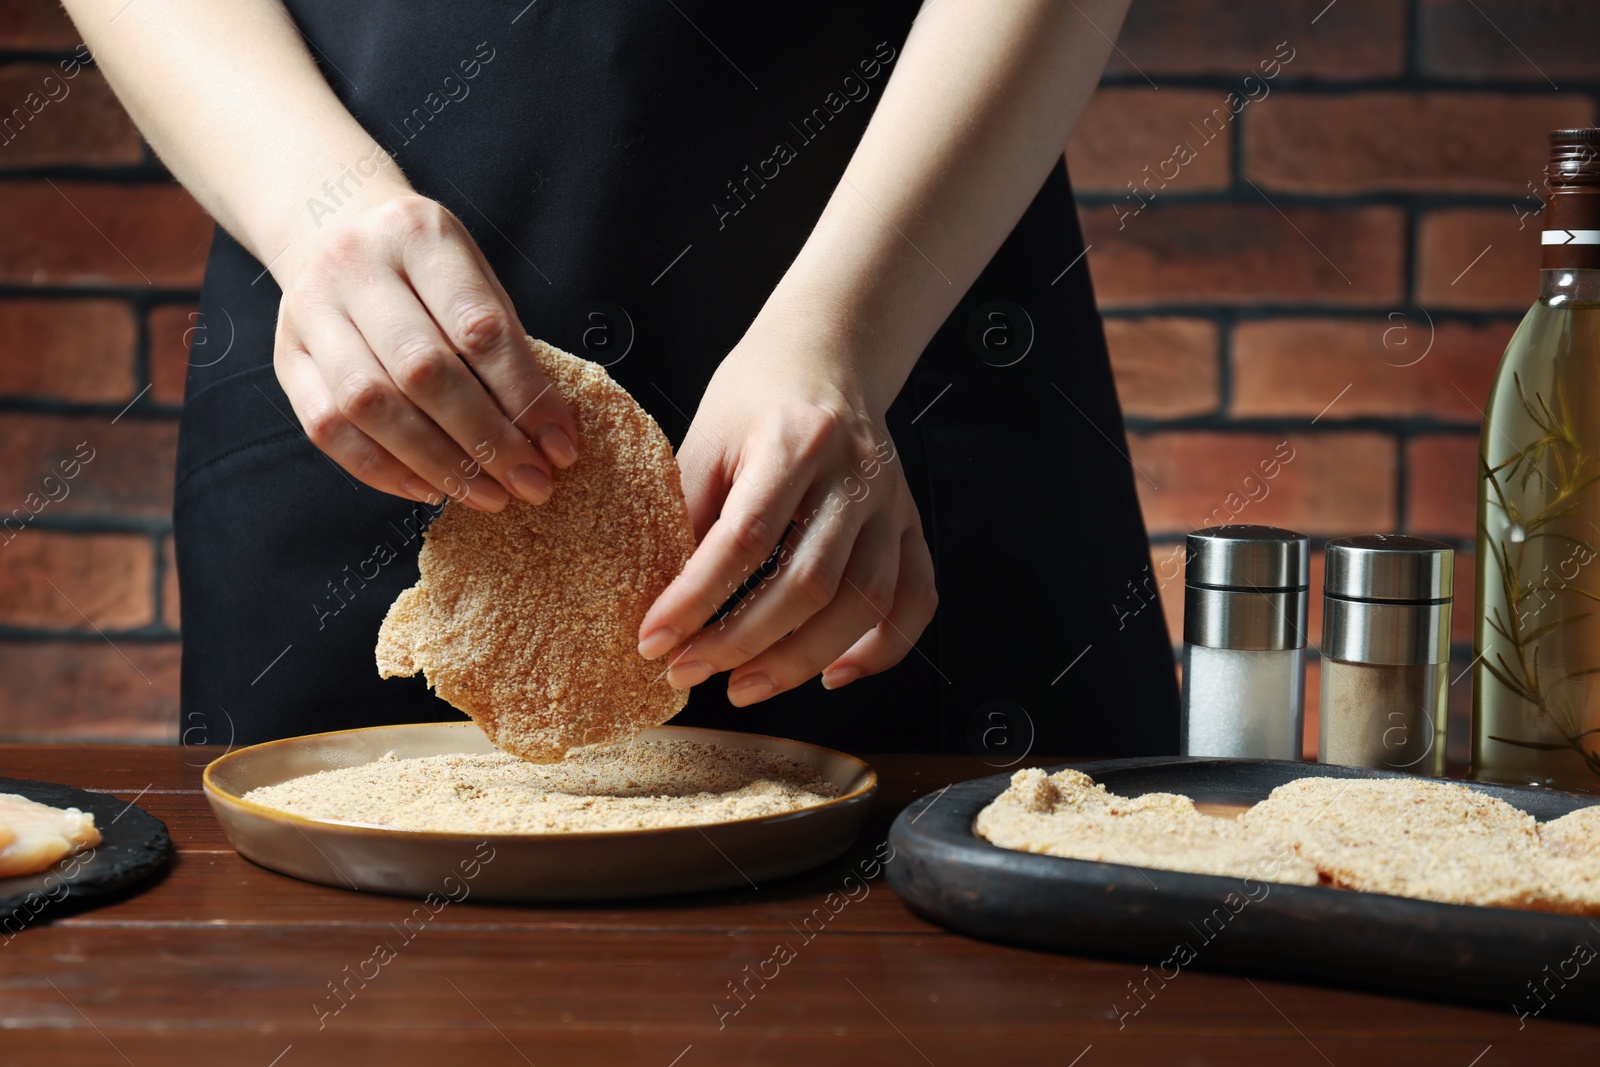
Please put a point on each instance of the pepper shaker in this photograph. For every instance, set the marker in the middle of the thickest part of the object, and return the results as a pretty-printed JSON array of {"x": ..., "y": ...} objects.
[
  {"x": 1385, "y": 652},
  {"x": 1244, "y": 642}
]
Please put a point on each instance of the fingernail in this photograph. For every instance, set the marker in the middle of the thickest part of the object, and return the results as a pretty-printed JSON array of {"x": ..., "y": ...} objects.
[
  {"x": 688, "y": 675},
  {"x": 531, "y": 483},
  {"x": 558, "y": 446},
  {"x": 417, "y": 489},
  {"x": 843, "y": 676},
  {"x": 484, "y": 500},
  {"x": 749, "y": 689},
  {"x": 658, "y": 642}
]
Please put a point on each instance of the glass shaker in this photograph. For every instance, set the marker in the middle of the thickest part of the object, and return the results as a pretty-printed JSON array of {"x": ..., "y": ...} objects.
[
  {"x": 1385, "y": 652},
  {"x": 1244, "y": 642}
]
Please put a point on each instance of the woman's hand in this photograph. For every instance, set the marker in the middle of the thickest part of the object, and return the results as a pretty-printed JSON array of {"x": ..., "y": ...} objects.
[
  {"x": 405, "y": 362},
  {"x": 781, "y": 437}
]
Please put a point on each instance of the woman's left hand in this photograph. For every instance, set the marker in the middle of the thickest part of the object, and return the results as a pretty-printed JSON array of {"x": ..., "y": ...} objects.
[{"x": 782, "y": 435}]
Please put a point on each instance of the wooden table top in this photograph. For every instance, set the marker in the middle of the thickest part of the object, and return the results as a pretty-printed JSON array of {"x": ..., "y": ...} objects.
[{"x": 223, "y": 962}]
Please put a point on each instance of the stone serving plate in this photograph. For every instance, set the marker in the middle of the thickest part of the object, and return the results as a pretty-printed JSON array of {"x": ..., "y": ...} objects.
[
  {"x": 524, "y": 867},
  {"x": 133, "y": 849},
  {"x": 1495, "y": 957}
]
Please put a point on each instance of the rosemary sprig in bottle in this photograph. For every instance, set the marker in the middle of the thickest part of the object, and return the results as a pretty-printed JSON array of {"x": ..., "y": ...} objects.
[{"x": 1557, "y": 447}]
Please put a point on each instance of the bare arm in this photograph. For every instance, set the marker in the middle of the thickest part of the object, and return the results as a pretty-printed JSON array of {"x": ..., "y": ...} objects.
[
  {"x": 792, "y": 428},
  {"x": 379, "y": 298},
  {"x": 983, "y": 101}
]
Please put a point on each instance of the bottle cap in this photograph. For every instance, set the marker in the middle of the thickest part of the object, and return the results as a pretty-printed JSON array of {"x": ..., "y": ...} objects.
[
  {"x": 1245, "y": 588},
  {"x": 1248, "y": 557},
  {"x": 1571, "y": 236},
  {"x": 1389, "y": 567}
]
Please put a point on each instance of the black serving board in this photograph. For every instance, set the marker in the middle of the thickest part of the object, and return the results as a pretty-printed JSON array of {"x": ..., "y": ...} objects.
[
  {"x": 134, "y": 847},
  {"x": 1370, "y": 941}
]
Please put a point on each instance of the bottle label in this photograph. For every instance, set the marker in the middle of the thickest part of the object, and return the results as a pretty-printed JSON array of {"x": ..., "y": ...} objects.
[{"x": 1571, "y": 237}]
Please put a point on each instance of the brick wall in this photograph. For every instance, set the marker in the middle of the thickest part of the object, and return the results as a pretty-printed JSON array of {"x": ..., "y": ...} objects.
[
  {"x": 1330, "y": 274},
  {"x": 100, "y": 263},
  {"x": 1338, "y": 266}
]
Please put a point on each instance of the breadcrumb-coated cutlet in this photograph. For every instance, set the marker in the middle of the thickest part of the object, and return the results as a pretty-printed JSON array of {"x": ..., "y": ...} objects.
[
  {"x": 527, "y": 620},
  {"x": 1067, "y": 814},
  {"x": 1401, "y": 836},
  {"x": 1576, "y": 835},
  {"x": 1411, "y": 838}
]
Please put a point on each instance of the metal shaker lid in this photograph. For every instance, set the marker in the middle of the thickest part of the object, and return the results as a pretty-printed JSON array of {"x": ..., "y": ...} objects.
[
  {"x": 1248, "y": 557},
  {"x": 1388, "y": 567}
]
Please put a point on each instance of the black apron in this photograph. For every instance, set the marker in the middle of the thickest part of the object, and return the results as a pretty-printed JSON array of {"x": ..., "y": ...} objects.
[{"x": 639, "y": 177}]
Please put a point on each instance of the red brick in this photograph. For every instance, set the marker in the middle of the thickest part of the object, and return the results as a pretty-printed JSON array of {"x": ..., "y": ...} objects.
[
  {"x": 171, "y": 616},
  {"x": 47, "y": 118},
  {"x": 1394, "y": 366},
  {"x": 37, "y": 25},
  {"x": 1442, "y": 485},
  {"x": 1167, "y": 569},
  {"x": 147, "y": 234},
  {"x": 129, "y": 469},
  {"x": 1308, "y": 743},
  {"x": 1410, "y": 142},
  {"x": 1355, "y": 39},
  {"x": 72, "y": 349},
  {"x": 72, "y": 581},
  {"x": 171, "y": 328},
  {"x": 1330, "y": 484},
  {"x": 1463, "y": 610},
  {"x": 1245, "y": 254},
  {"x": 1553, "y": 39},
  {"x": 1448, "y": 242},
  {"x": 1132, "y": 135},
  {"x": 83, "y": 691},
  {"x": 1166, "y": 368}
]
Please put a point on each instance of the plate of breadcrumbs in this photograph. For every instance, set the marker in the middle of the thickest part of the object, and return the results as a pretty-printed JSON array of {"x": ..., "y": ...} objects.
[
  {"x": 564, "y": 784},
  {"x": 677, "y": 809},
  {"x": 1383, "y": 881}
]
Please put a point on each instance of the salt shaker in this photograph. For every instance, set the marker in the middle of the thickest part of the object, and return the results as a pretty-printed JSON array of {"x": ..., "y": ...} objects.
[
  {"x": 1385, "y": 652},
  {"x": 1244, "y": 642}
]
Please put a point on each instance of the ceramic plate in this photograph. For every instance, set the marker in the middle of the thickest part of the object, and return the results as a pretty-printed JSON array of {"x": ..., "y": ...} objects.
[{"x": 555, "y": 866}]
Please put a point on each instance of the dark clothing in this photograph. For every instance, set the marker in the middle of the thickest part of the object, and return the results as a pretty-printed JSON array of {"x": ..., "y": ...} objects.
[{"x": 639, "y": 177}]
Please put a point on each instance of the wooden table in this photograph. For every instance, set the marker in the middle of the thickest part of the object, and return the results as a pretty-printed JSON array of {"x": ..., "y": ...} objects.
[{"x": 223, "y": 962}]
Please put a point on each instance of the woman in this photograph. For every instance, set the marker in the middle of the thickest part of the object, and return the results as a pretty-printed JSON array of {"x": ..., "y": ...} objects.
[{"x": 886, "y": 320}]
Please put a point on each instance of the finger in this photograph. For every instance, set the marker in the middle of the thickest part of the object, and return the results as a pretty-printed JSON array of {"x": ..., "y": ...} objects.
[
  {"x": 339, "y": 438},
  {"x": 364, "y": 394},
  {"x": 423, "y": 364},
  {"x": 704, "y": 471},
  {"x": 810, "y": 569},
  {"x": 864, "y": 598},
  {"x": 460, "y": 291},
  {"x": 754, "y": 517},
  {"x": 915, "y": 600}
]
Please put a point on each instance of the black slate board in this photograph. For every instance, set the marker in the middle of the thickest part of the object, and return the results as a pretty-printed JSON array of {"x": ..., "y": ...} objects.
[
  {"x": 1523, "y": 962},
  {"x": 134, "y": 847}
]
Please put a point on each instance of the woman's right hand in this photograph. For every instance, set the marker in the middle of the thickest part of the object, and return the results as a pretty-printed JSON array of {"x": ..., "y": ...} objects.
[{"x": 405, "y": 361}]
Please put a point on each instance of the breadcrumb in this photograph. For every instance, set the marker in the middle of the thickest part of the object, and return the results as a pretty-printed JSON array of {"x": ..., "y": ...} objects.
[{"x": 637, "y": 786}]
